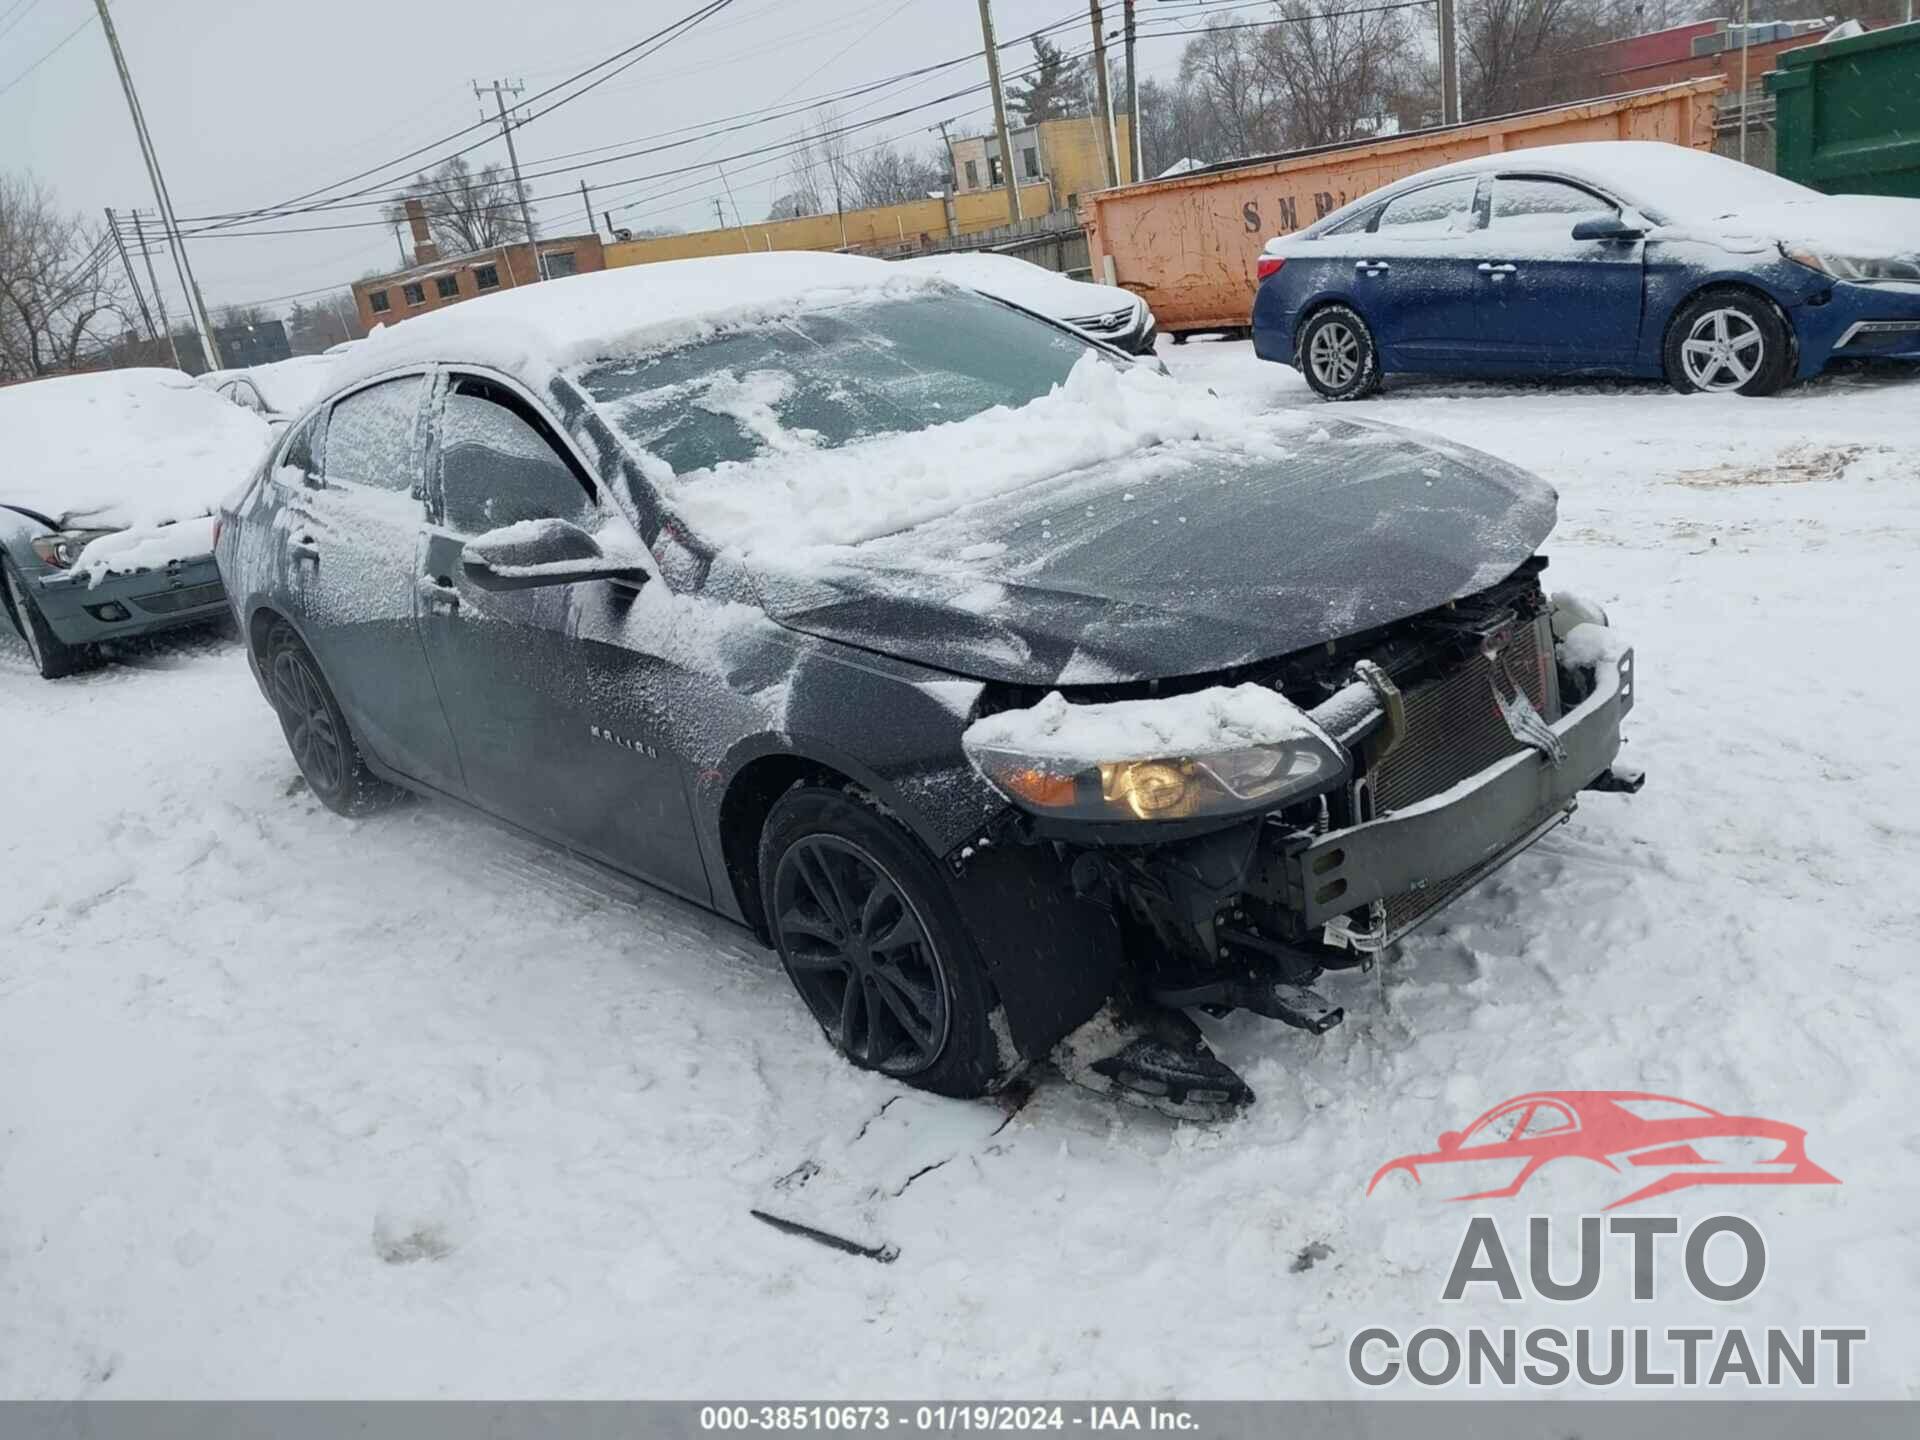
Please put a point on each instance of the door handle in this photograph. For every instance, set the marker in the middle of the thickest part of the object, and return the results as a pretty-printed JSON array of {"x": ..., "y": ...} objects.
[
  {"x": 1372, "y": 267},
  {"x": 1487, "y": 267},
  {"x": 439, "y": 594},
  {"x": 304, "y": 549}
]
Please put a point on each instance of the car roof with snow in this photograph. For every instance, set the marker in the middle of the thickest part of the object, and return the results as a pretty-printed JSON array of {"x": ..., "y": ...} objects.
[
  {"x": 123, "y": 447},
  {"x": 535, "y": 329},
  {"x": 288, "y": 385},
  {"x": 1673, "y": 180}
]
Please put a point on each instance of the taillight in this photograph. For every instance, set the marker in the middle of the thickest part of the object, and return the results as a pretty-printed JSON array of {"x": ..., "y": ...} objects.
[{"x": 1269, "y": 265}]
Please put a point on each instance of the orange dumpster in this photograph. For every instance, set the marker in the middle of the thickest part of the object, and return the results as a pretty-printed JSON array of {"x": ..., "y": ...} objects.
[{"x": 1188, "y": 243}]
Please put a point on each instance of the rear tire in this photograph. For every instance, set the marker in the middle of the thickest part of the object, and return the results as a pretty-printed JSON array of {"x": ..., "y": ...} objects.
[
  {"x": 316, "y": 729},
  {"x": 1336, "y": 354},
  {"x": 871, "y": 937},
  {"x": 52, "y": 656},
  {"x": 1728, "y": 342}
]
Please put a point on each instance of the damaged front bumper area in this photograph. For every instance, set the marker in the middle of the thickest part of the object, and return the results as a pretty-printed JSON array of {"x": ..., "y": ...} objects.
[{"x": 1448, "y": 842}]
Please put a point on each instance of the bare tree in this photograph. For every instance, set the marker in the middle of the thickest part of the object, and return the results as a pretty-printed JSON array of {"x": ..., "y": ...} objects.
[
  {"x": 1332, "y": 67},
  {"x": 892, "y": 176},
  {"x": 1222, "y": 70},
  {"x": 62, "y": 298},
  {"x": 1517, "y": 54},
  {"x": 466, "y": 209},
  {"x": 820, "y": 169},
  {"x": 317, "y": 325}
]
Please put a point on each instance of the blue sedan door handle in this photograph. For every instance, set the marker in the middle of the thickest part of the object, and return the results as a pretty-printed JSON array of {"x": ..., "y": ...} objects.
[
  {"x": 1372, "y": 267},
  {"x": 304, "y": 549},
  {"x": 1487, "y": 267}
]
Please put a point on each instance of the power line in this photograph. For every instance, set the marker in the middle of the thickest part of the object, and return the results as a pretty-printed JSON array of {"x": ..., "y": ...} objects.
[
  {"x": 288, "y": 207},
  {"x": 17, "y": 12},
  {"x": 49, "y": 55}
]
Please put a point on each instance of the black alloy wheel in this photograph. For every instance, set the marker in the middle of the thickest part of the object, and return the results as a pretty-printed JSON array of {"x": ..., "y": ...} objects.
[
  {"x": 308, "y": 719},
  {"x": 860, "y": 955},
  {"x": 316, "y": 729}
]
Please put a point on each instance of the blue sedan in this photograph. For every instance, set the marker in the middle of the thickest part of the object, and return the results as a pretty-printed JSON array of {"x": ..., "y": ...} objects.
[{"x": 1629, "y": 258}]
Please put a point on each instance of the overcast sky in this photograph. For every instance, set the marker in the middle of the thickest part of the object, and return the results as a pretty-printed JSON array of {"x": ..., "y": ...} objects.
[{"x": 251, "y": 104}]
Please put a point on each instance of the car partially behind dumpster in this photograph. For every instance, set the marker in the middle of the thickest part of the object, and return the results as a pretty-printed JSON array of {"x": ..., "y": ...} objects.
[{"x": 107, "y": 488}]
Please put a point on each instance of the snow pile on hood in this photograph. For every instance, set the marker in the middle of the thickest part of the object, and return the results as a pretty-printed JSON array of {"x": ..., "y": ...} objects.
[
  {"x": 1025, "y": 284},
  {"x": 1206, "y": 722},
  {"x": 123, "y": 448},
  {"x": 774, "y": 508},
  {"x": 145, "y": 547},
  {"x": 634, "y": 310}
]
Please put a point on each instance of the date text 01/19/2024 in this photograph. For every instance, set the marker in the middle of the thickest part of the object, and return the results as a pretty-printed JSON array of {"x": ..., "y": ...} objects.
[{"x": 942, "y": 1419}]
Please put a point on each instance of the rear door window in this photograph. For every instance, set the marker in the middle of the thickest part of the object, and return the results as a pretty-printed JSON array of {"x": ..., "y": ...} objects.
[
  {"x": 1430, "y": 212},
  {"x": 306, "y": 444},
  {"x": 372, "y": 436}
]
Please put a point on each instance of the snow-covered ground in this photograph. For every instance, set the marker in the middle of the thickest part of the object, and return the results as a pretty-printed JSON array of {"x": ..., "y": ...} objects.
[{"x": 292, "y": 1106}]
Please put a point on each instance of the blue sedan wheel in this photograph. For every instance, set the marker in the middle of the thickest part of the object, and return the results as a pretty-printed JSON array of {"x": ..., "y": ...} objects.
[
  {"x": 1336, "y": 354},
  {"x": 1727, "y": 342}
]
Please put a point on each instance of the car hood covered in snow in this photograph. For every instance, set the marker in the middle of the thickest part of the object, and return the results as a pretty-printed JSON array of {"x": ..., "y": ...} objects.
[
  {"x": 1875, "y": 227},
  {"x": 1026, "y": 285},
  {"x": 1182, "y": 561},
  {"x": 123, "y": 448}
]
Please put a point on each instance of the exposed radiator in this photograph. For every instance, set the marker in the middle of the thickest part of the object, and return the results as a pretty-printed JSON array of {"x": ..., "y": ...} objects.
[{"x": 1453, "y": 730}]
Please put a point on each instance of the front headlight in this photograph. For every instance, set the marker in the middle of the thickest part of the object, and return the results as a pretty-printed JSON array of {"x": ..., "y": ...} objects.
[
  {"x": 1858, "y": 269},
  {"x": 1219, "y": 752},
  {"x": 63, "y": 547}
]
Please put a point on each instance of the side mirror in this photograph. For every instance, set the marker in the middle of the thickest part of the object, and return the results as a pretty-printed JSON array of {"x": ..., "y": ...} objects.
[
  {"x": 1607, "y": 227},
  {"x": 1449, "y": 1142},
  {"x": 539, "y": 553}
]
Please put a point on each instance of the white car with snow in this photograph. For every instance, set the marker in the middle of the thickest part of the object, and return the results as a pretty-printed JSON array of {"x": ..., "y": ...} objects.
[
  {"x": 279, "y": 391},
  {"x": 106, "y": 507},
  {"x": 1105, "y": 312}
]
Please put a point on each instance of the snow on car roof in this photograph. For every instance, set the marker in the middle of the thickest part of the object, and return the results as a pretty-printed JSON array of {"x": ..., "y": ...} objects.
[
  {"x": 123, "y": 447},
  {"x": 533, "y": 329},
  {"x": 289, "y": 386}
]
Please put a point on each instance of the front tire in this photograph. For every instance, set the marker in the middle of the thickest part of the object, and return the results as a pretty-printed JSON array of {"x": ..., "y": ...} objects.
[
  {"x": 1728, "y": 342},
  {"x": 316, "y": 729},
  {"x": 1336, "y": 353},
  {"x": 52, "y": 656},
  {"x": 872, "y": 938}
]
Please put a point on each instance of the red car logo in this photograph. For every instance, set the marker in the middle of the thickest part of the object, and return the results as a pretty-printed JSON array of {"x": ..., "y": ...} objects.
[{"x": 1629, "y": 1132}]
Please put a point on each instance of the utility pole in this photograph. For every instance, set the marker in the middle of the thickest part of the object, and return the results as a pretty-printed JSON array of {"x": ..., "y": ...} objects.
[
  {"x": 730, "y": 196},
  {"x": 159, "y": 300},
  {"x": 1000, "y": 112},
  {"x": 586, "y": 199},
  {"x": 195, "y": 304},
  {"x": 1449, "y": 67},
  {"x": 719, "y": 213},
  {"x": 946, "y": 146},
  {"x": 500, "y": 91},
  {"x": 119, "y": 244},
  {"x": 1134, "y": 165},
  {"x": 1105, "y": 118},
  {"x": 1746, "y": 35}
]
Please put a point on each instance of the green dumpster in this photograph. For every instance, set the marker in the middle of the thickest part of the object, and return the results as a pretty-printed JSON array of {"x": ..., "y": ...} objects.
[{"x": 1847, "y": 115}]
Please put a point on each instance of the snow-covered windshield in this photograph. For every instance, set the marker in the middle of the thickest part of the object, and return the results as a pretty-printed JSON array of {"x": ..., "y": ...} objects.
[{"x": 825, "y": 378}]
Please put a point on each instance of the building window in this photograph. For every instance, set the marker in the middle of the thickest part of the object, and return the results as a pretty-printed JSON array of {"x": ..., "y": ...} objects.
[
  {"x": 973, "y": 174},
  {"x": 377, "y": 302},
  {"x": 560, "y": 264},
  {"x": 448, "y": 286},
  {"x": 994, "y": 176},
  {"x": 486, "y": 277},
  {"x": 415, "y": 292},
  {"x": 1030, "y": 159}
]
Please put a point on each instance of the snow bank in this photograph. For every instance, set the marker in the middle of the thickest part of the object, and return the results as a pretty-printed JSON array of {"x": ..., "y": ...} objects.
[
  {"x": 123, "y": 448},
  {"x": 1203, "y": 723},
  {"x": 774, "y": 509}
]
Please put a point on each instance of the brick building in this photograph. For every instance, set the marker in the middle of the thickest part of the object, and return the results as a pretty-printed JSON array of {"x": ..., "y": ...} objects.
[{"x": 433, "y": 281}]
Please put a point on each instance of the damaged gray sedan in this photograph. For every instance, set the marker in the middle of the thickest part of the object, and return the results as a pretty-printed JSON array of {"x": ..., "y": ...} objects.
[{"x": 1026, "y": 700}]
